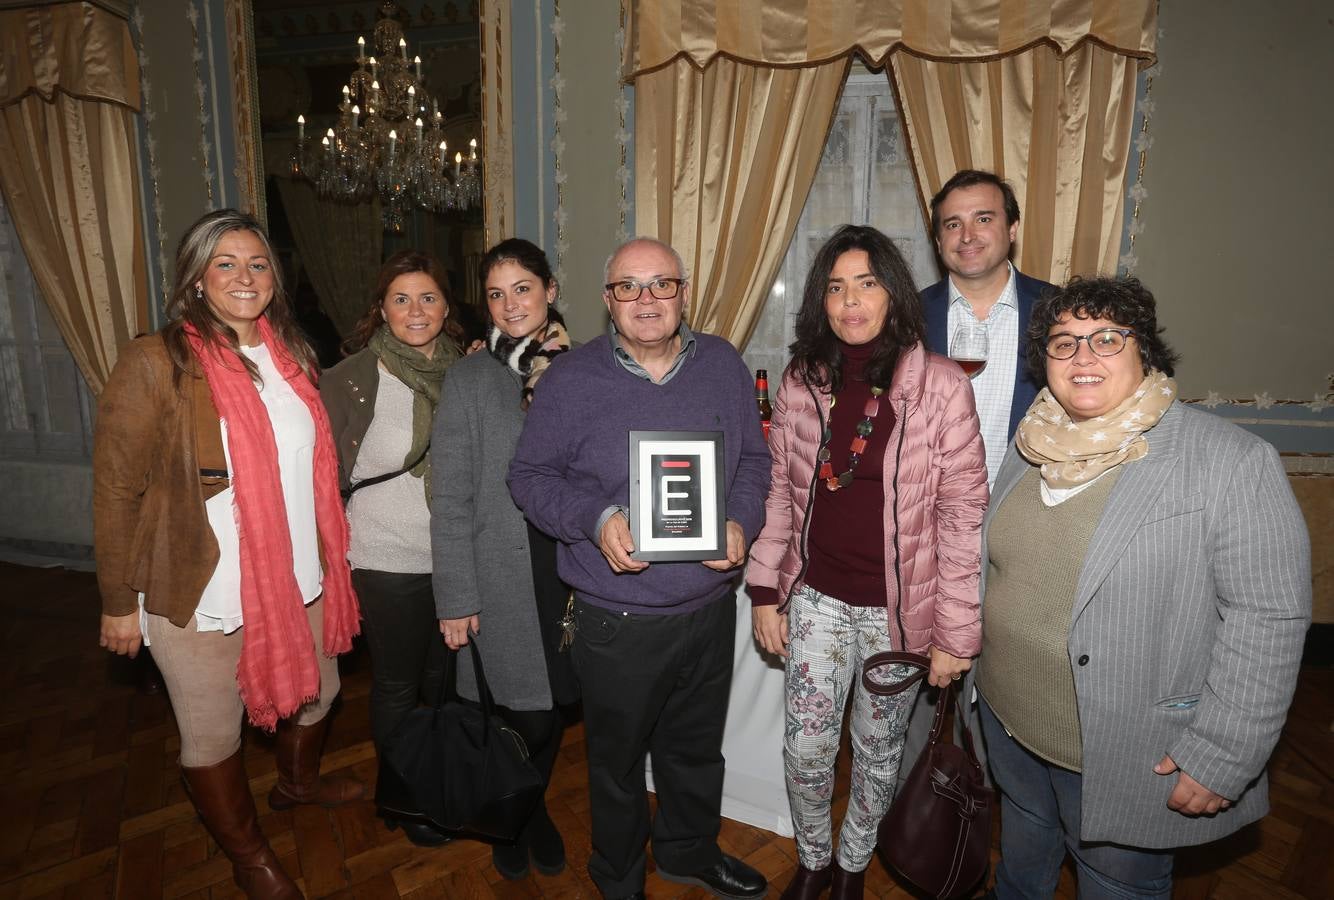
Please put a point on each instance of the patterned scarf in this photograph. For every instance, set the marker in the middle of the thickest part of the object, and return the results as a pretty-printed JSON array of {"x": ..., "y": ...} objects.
[
  {"x": 1073, "y": 453},
  {"x": 529, "y": 356},
  {"x": 278, "y": 671},
  {"x": 422, "y": 375}
]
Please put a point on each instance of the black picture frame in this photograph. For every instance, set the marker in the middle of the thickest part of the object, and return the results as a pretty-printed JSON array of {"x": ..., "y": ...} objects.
[{"x": 688, "y": 524}]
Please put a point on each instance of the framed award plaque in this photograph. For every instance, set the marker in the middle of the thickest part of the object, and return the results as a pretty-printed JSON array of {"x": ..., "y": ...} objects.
[{"x": 678, "y": 508}]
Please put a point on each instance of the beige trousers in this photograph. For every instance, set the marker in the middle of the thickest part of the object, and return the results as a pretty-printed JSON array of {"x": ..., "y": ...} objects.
[{"x": 200, "y": 673}]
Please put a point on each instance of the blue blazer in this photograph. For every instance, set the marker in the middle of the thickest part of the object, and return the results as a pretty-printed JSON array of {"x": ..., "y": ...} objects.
[{"x": 936, "y": 304}]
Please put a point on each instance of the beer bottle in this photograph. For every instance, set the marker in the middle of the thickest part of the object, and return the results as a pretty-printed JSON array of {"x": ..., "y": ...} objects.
[{"x": 762, "y": 399}]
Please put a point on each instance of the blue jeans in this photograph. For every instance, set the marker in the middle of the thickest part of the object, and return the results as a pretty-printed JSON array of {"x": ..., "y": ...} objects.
[{"x": 1040, "y": 813}]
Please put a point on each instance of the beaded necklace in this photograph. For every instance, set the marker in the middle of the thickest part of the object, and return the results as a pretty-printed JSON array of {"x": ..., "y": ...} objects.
[{"x": 855, "y": 449}]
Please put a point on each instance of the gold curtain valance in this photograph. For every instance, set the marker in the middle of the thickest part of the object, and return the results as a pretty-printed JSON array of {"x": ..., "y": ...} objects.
[
  {"x": 75, "y": 48},
  {"x": 804, "y": 32}
]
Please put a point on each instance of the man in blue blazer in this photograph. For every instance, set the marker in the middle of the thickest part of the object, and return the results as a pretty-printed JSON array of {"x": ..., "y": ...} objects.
[{"x": 974, "y": 219}]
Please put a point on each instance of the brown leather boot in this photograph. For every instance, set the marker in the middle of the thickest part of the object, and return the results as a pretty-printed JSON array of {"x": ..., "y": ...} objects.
[
  {"x": 298, "y": 752},
  {"x": 808, "y": 884},
  {"x": 221, "y": 794},
  {"x": 847, "y": 885}
]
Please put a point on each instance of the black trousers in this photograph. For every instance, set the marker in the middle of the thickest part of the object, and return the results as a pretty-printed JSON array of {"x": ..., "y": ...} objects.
[
  {"x": 659, "y": 685},
  {"x": 407, "y": 649}
]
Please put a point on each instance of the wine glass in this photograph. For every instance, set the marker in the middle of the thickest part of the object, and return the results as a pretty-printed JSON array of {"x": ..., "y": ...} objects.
[{"x": 968, "y": 348}]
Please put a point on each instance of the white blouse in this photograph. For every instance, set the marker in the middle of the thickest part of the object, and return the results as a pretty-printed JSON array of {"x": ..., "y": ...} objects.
[{"x": 294, "y": 434}]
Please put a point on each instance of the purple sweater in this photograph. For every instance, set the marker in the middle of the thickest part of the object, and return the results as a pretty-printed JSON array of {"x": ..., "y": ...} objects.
[{"x": 572, "y": 462}]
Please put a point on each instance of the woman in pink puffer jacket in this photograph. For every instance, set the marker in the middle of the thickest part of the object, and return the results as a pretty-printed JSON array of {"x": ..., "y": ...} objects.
[{"x": 871, "y": 540}]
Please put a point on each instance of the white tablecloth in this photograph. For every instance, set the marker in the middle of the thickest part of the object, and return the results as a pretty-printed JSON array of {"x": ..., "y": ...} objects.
[{"x": 753, "y": 785}]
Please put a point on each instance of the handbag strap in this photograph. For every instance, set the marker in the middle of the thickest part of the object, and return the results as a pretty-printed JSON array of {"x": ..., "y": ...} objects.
[
  {"x": 923, "y": 665},
  {"x": 449, "y": 685},
  {"x": 895, "y": 657},
  {"x": 381, "y": 479},
  {"x": 947, "y": 698}
]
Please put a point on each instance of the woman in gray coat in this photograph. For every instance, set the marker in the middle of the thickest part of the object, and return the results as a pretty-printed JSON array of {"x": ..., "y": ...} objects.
[
  {"x": 495, "y": 576},
  {"x": 1147, "y": 589}
]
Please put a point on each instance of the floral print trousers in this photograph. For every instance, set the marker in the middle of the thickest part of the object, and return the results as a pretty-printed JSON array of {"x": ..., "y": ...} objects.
[{"x": 828, "y": 642}]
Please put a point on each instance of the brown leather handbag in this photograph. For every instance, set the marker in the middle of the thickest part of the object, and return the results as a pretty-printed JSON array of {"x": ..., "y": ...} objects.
[{"x": 937, "y": 833}]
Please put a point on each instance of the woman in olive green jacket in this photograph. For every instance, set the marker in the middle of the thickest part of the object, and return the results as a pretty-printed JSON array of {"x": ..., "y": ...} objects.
[{"x": 381, "y": 401}]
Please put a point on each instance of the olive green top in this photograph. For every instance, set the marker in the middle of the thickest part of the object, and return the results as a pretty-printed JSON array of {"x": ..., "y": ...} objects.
[{"x": 1035, "y": 554}]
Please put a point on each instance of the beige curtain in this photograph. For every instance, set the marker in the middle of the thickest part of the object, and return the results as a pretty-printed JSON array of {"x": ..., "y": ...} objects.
[
  {"x": 340, "y": 246},
  {"x": 1058, "y": 128},
  {"x": 69, "y": 89},
  {"x": 1041, "y": 92},
  {"x": 724, "y": 159},
  {"x": 804, "y": 32}
]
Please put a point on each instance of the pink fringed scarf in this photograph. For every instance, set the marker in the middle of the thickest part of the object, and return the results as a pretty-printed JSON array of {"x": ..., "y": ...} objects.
[{"x": 278, "y": 671}]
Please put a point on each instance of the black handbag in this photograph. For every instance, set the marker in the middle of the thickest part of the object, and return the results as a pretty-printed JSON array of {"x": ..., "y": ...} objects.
[
  {"x": 937, "y": 833},
  {"x": 459, "y": 765}
]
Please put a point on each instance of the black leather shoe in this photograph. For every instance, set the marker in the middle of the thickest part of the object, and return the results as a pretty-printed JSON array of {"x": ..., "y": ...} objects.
[
  {"x": 423, "y": 834},
  {"x": 729, "y": 878}
]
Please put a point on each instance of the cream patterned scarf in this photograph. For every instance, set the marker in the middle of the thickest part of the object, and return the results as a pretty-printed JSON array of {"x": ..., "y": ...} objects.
[{"x": 1074, "y": 453}]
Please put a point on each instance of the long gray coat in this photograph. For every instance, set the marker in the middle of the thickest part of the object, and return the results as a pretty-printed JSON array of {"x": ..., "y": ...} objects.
[
  {"x": 1191, "y": 609},
  {"x": 479, "y": 539}
]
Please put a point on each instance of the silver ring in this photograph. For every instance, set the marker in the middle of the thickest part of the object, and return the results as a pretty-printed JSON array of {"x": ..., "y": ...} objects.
[{"x": 955, "y": 677}]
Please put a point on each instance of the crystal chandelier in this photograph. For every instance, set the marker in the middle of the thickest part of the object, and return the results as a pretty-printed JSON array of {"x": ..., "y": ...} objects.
[{"x": 388, "y": 140}]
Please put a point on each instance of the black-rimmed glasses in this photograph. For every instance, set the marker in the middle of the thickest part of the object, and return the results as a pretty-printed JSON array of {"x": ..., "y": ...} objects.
[
  {"x": 629, "y": 290},
  {"x": 1103, "y": 342}
]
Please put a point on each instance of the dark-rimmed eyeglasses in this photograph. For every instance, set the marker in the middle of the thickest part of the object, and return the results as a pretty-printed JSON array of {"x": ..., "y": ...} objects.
[
  {"x": 1103, "y": 342},
  {"x": 629, "y": 290}
]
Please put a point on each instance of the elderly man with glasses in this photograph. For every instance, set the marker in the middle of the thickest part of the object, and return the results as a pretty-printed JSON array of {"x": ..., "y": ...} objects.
[{"x": 653, "y": 642}]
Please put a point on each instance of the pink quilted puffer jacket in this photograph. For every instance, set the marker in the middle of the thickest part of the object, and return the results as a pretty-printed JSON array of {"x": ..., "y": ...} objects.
[{"x": 938, "y": 489}]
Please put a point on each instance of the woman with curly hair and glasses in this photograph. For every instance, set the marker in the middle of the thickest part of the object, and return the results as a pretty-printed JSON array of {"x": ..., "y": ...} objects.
[{"x": 1147, "y": 588}]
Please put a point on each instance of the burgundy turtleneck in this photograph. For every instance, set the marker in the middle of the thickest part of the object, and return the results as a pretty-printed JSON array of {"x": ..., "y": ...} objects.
[{"x": 846, "y": 543}]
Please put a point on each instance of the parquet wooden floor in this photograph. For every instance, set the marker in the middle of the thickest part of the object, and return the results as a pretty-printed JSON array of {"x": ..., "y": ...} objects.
[{"x": 91, "y": 804}]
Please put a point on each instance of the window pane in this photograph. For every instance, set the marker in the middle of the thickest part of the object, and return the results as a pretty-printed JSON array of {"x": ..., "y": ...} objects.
[
  {"x": 865, "y": 177},
  {"x": 44, "y": 402}
]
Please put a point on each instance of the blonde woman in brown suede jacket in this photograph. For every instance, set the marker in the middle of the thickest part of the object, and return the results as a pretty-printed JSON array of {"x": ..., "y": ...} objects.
[{"x": 231, "y": 582}]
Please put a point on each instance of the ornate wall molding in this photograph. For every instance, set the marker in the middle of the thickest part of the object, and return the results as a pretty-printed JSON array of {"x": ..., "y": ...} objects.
[
  {"x": 1322, "y": 400},
  {"x": 192, "y": 13},
  {"x": 153, "y": 170},
  {"x": 497, "y": 139},
  {"x": 622, "y": 109},
  {"x": 249, "y": 166},
  {"x": 1138, "y": 193},
  {"x": 561, "y": 216}
]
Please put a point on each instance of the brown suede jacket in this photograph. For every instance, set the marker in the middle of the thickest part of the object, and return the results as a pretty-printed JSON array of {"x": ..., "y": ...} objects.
[{"x": 150, "y": 529}]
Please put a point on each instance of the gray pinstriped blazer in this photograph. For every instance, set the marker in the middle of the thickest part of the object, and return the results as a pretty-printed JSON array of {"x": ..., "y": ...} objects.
[{"x": 1191, "y": 610}]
